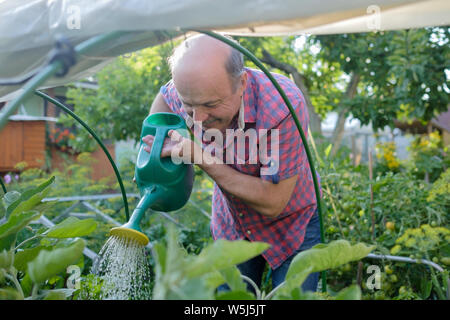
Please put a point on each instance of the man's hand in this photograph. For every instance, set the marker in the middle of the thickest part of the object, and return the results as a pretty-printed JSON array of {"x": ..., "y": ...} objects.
[{"x": 177, "y": 147}]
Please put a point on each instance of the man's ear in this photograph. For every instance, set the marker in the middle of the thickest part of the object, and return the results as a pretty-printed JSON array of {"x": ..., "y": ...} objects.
[{"x": 244, "y": 78}]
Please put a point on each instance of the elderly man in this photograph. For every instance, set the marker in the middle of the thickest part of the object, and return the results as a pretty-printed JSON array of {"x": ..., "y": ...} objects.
[{"x": 271, "y": 199}]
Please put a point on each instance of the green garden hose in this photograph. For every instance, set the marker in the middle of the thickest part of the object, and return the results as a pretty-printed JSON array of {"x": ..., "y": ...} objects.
[
  {"x": 258, "y": 63},
  {"x": 95, "y": 136}
]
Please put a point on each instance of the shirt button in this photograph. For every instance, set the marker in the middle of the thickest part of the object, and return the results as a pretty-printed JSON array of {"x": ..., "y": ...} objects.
[{"x": 249, "y": 232}]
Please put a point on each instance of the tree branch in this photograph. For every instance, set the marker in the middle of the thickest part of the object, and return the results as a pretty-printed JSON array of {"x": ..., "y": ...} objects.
[{"x": 339, "y": 129}]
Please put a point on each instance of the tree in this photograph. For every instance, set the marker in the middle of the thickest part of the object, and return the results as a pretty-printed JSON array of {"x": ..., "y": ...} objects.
[{"x": 391, "y": 75}]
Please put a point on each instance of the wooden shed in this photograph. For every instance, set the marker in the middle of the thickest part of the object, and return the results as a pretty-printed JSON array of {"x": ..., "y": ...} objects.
[{"x": 23, "y": 139}]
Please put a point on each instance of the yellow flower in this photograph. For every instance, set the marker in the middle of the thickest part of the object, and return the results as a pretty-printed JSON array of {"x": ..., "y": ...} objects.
[
  {"x": 434, "y": 136},
  {"x": 396, "y": 249},
  {"x": 21, "y": 165},
  {"x": 410, "y": 242},
  {"x": 417, "y": 233},
  {"x": 402, "y": 238},
  {"x": 423, "y": 143},
  {"x": 429, "y": 231},
  {"x": 442, "y": 230}
]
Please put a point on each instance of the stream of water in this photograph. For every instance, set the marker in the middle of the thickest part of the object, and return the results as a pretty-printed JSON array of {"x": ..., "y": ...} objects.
[{"x": 124, "y": 270}]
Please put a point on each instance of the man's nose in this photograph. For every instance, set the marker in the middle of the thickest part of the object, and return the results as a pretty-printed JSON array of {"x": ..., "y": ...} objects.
[{"x": 199, "y": 115}]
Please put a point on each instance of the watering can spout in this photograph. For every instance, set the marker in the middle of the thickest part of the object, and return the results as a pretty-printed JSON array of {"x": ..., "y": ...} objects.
[
  {"x": 163, "y": 185},
  {"x": 132, "y": 229}
]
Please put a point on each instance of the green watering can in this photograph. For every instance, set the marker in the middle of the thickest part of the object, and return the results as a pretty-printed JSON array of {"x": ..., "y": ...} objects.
[{"x": 163, "y": 185}]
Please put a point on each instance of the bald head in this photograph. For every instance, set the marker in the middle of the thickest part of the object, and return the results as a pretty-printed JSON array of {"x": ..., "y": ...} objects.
[
  {"x": 205, "y": 54},
  {"x": 210, "y": 80}
]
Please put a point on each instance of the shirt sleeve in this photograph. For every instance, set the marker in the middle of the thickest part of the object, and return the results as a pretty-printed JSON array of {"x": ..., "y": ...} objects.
[{"x": 286, "y": 154}]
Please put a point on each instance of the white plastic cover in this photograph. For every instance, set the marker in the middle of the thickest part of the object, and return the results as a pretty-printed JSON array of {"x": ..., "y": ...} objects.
[{"x": 28, "y": 27}]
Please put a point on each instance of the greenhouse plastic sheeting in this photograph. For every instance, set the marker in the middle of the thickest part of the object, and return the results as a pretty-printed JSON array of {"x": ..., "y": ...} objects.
[{"x": 28, "y": 28}]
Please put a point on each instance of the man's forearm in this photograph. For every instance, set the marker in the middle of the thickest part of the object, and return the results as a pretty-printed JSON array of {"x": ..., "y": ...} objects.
[{"x": 255, "y": 192}]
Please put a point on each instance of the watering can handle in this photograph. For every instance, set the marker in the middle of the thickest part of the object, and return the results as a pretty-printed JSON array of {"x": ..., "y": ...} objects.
[{"x": 155, "y": 152}]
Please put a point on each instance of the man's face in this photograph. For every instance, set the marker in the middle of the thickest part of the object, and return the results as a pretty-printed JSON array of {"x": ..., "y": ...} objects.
[{"x": 210, "y": 97}]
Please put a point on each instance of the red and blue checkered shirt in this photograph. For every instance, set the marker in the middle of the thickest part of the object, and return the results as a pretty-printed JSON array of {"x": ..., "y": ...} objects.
[{"x": 232, "y": 219}]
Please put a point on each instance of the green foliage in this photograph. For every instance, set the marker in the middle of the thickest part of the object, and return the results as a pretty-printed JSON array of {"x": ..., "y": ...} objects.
[
  {"x": 28, "y": 199},
  {"x": 424, "y": 242},
  {"x": 319, "y": 258},
  {"x": 90, "y": 288},
  {"x": 327, "y": 256},
  {"x": 34, "y": 268},
  {"x": 402, "y": 201},
  {"x": 74, "y": 179},
  {"x": 402, "y": 73},
  {"x": 429, "y": 156},
  {"x": 387, "y": 160},
  {"x": 55, "y": 261},
  {"x": 223, "y": 254},
  {"x": 179, "y": 275},
  {"x": 440, "y": 191},
  {"x": 71, "y": 228}
]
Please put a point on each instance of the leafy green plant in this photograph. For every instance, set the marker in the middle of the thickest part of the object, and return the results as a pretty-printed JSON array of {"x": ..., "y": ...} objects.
[
  {"x": 319, "y": 258},
  {"x": 182, "y": 276},
  {"x": 429, "y": 157},
  {"x": 440, "y": 191},
  {"x": 179, "y": 275},
  {"x": 30, "y": 258},
  {"x": 401, "y": 201},
  {"x": 387, "y": 158},
  {"x": 430, "y": 243}
]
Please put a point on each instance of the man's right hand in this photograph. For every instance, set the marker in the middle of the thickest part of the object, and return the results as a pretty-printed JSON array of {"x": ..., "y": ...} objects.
[
  {"x": 167, "y": 147},
  {"x": 177, "y": 147}
]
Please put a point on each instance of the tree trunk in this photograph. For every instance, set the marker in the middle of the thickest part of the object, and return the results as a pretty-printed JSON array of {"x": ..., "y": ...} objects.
[
  {"x": 299, "y": 80},
  {"x": 339, "y": 129}
]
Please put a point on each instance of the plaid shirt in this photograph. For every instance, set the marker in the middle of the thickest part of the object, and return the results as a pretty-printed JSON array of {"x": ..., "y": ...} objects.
[{"x": 232, "y": 219}]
